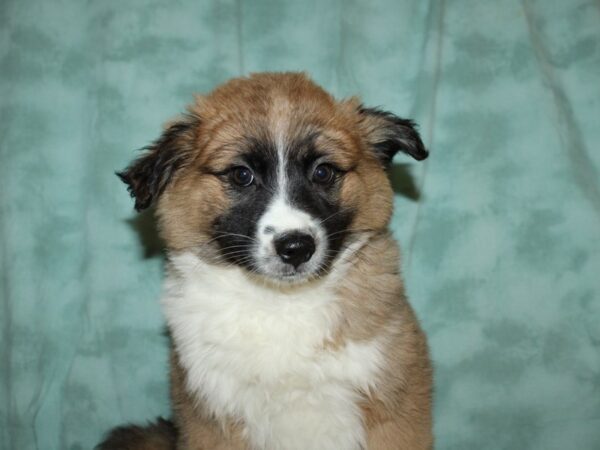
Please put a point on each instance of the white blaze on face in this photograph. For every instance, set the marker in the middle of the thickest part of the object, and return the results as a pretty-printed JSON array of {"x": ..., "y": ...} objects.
[{"x": 281, "y": 216}]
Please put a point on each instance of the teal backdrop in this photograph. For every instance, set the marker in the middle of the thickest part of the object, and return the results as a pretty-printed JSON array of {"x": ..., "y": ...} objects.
[{"x": 500, "y": 227}]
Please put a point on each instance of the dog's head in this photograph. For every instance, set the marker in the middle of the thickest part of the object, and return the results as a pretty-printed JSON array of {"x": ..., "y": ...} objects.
[{"x": 272, "y": 174}]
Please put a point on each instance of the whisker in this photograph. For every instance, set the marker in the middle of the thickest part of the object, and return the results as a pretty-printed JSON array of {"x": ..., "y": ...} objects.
[
  {"x": 351, "y": 231},
  {"x": 220, "y": 235},
  {"x": 234, "y": 254},
  {"x": 245, "y": 246},
  {"x": 333, "y": 215}
]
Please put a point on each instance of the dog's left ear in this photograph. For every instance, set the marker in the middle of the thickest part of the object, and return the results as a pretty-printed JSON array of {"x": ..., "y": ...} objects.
[
  {"x": 147, "y": 176},
  {"x": 387, "y": 134}
]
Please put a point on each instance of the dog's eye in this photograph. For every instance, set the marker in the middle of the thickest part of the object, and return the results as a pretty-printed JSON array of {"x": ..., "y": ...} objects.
[
  {"x": 323, "y": 174},
  {"x": 242, "y": 176}
]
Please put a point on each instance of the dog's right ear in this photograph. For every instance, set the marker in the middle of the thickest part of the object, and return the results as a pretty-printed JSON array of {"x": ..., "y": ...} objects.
[{"x": 148, "y": 175}]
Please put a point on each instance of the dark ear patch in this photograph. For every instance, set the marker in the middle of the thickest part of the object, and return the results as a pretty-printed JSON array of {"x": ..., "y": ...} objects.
[
  {"x": 387, "y": 134},
  {"x": 148, "y": 175}
]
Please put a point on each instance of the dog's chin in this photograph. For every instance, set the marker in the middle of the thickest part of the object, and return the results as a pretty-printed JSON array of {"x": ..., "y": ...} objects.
[{"x": 280, "y": 273}]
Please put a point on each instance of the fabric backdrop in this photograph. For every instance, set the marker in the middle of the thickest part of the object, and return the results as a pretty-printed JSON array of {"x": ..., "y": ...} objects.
[{"x": 500, "y": 227}]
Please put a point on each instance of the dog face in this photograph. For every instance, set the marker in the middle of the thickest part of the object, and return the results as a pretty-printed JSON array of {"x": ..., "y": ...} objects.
[{"x": 272, "y": 174}]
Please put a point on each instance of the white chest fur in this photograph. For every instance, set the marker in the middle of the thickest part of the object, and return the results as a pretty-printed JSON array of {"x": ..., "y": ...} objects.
[{"x": 255, "y": 353}]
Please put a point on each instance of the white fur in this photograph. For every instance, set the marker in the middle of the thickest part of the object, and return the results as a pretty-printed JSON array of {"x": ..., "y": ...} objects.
[
  {"x": 281, "y": 217},
  {"x": 255, "y": 352}
]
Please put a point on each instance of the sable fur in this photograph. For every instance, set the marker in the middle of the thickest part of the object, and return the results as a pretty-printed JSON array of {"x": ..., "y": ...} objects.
[{"x": 179, "y": 170}]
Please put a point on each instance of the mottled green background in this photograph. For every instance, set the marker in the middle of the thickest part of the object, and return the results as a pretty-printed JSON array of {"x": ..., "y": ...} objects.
[{"x": 502, "y": 246}]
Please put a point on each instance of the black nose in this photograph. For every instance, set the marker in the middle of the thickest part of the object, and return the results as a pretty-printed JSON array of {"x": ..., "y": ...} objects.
[{"x": 295, "y": 248}]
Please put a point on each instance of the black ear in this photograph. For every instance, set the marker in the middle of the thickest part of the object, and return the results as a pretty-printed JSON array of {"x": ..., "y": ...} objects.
[
  {"x": 387, "y": 134},
  {"x": 148, "y": 175}
]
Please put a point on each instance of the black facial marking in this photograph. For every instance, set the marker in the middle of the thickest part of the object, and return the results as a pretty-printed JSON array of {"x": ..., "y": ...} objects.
[
  {"x": 235, "y": 231},
  {"x": 320, "y": 199},
  {"x": 322, "y": 203}
]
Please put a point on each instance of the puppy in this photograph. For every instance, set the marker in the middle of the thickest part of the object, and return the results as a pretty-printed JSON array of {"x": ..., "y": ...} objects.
[{"x": 289, "y": 323}]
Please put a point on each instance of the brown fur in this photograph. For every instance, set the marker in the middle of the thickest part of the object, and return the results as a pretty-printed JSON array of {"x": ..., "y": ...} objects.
[{"x": 397, "y": 414}]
